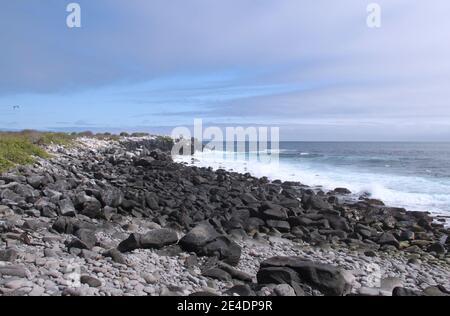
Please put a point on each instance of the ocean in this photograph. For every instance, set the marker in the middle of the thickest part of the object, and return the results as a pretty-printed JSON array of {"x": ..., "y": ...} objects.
[{"x": 415, "y": 176}]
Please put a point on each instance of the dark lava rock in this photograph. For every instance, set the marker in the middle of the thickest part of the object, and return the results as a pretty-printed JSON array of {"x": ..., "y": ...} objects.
[
  {"x": 34, "y": 224},
  {"x": 152, "y": 201},
  {"x": 235, "y": 274},
  {"x": 342, "y": 191},
  {"x": 155, "y": 239},
  {"x": 388, "y": 239},
  {"x": 88, "y": 205},
  {"x": 399, "y": 291},
  {"x": 86, "y": 239},
  {"x": 223, "y": 248},
  {"x": 66, "y": 225},
  {"x": 36, "y": 181},
  {"x": 198, "y": 237},
  {"x": 158, "y": 238},
  {"x": 218, "y": 274},
  {"x": 407, "y": 235},
  {"x": 437, "y": 248},
  {"x": 66, "y": 208},
  {"x": 144, "y": 162},
  {"x": 277, "y": 275},
  {"x": 130, "y": 244},
  {"x": 315, "y": 202},
  {"x": 253, "y": 224},
  {"x": 338, "y": 222},
  {"x": 115, "y": 255},
  {"x": 275, "y": 214},
  {"x": 326, "y": 278},
  {"x": 281, "y": 226}
]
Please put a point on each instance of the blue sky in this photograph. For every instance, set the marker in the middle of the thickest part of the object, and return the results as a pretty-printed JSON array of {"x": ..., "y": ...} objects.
[{"x": 313, "y": 68}]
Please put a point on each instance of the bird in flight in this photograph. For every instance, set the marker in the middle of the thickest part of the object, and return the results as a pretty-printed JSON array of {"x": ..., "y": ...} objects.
[{"x": 16, "y": 107}]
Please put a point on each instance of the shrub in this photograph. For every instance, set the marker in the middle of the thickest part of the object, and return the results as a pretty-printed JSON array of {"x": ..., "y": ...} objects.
[
  {"x": 139, "y": 134},
  {"x": 18, "y": 149}
]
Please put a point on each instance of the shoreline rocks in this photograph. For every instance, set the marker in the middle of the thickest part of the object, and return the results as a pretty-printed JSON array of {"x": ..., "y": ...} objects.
[
  {"x": 110, "y": 210},
  {"x": 295, "y": 271}
]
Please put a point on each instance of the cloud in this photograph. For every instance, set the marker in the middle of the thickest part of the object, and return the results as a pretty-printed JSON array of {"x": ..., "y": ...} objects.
[{"x": 293, "y": 62}]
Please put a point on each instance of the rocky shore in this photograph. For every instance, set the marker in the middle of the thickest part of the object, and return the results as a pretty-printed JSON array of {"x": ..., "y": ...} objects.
[{"x": 109, "y": 218}]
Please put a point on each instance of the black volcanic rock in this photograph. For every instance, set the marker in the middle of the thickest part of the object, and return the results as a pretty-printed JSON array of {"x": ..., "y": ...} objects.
[
  {"x": 66, "y": 208},
  {"x": 155, "y": 239},
  {"x": 206, "y": 241},
  {"x": 134, "y": 185},
  {"x": 158, "y": 238},
  {"x": 86, "y": 238},
  {"x": 388, "y": 239},
  {"x": 198, "y": 237},
  {"x": 223, "y": 248},
  {"x": 130, "y": 244},
  {"x": 325, "y": 278}
]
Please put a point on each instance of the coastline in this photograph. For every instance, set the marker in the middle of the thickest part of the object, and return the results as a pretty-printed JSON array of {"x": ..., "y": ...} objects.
[
  {"x": 131, "y": 218},
  {"x": 319, "y": 178}
]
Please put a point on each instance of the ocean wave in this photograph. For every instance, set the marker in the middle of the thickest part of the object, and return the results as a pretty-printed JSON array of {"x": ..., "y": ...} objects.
[{"x": 412, "y": 193}]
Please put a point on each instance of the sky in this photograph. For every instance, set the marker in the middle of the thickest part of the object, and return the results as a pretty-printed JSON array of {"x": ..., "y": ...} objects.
[{"x": 313, "y": 68}]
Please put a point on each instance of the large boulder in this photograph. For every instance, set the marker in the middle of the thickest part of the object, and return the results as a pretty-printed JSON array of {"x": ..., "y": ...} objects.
[
  {"x": 281, "y": 226},
  {"x": 152, "y": 200},
  {"x": 70, "y": 225},
  {"x": 159, "y": 238},
  {"x": 204, "y": 240},
  {"x": 198, "y": 237},
  {"x": 337, "y": 222},
  {"x": 131, "y": 243},
  {"x": 36, "y": 181},
  {"x": 388, "y": 239},
  {"x": 86, "y": 239},
  {"x": 277, "y": 275},
  {"x": 88, "y": 205},
  {"x": 66, "y": 208},
  {"x": 272, "y": 211},
  {"x": 399, "y": 291},
  {"x": 115, "y": 255},
  {"x": 144, "y": 162},
  {"x": 315, "y": 202},
  {"x": 155, "y": 239},
  {"x": 66, "y": 225},
  {"x": 437, "y": 248},
  {"x": 223, "y": 248},
  {"x": 326, "y": 278}
]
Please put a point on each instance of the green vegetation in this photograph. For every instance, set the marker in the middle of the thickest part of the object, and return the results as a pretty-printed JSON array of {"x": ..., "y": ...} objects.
[
  {"x": 165, "y": 138},
  {"x": 139, "y": 134},
  {"x": 19, "y": 148},
  {"x": 55, "y": 138}
]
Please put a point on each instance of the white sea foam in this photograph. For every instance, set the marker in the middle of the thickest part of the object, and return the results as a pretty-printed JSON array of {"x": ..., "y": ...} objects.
[{"x": 413, "y": 193}]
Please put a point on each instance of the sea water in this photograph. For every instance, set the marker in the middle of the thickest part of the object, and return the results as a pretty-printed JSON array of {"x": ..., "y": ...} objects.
[{"x": 411, "y": 175}]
